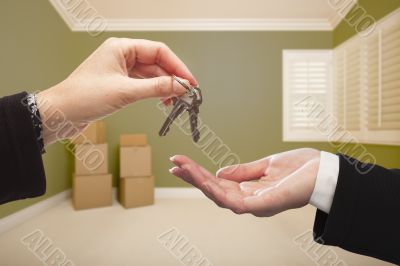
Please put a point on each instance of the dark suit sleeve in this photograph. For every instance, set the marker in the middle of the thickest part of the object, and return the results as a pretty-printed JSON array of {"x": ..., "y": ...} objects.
[
  {"x": 22, "y": 173},
  {"x": 365, "y": 212}
]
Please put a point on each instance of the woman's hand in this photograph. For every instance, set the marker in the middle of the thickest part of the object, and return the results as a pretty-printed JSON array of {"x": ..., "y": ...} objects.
[
  {"x": 263, "y": 188},
  {"x": 118, "y": 73}
]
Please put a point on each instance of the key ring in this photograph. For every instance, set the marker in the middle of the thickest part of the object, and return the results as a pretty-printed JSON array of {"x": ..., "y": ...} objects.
[{"x": 188, "y": 88}]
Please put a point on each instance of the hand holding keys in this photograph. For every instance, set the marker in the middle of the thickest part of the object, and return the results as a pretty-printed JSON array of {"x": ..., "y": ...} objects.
[{"x": 189, "y": 102}]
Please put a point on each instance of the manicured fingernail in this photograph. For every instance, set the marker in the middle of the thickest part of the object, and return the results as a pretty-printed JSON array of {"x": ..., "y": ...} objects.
[
  {"x": 172, "y": 158},
  {"x": 173, "y": 170},
  {"x": 229, "y": 170},
  {"x": 219, "y": 172}
]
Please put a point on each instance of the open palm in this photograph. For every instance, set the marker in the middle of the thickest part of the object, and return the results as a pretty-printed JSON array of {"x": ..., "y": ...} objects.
[{"x": 263, "y": 188}]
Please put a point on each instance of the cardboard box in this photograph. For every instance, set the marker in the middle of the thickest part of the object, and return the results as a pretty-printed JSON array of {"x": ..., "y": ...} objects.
[
  {"x": 91, "y": 191},
  {"x": 136, "y": 191},
  {"x": 135, "y": 161},
  {"x": 133, "y": 140},
  {"x": 91, "y": 159},
  {"x": 95, "y": 133}
]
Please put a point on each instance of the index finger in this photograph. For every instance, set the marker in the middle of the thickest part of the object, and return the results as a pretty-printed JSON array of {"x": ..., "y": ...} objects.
[{"x": 157, "y": 53}]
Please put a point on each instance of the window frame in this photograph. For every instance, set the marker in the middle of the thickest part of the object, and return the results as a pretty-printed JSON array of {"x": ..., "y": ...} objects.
[{"x": 312, "y": 134}]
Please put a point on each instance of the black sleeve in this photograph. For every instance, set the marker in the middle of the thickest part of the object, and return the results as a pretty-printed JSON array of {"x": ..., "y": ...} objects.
[
  {"x": 22, "y": 172},
  {"x": 365, "y": 213}
]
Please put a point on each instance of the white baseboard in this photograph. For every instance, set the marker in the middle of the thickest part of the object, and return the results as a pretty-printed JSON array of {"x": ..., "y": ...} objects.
[{"x": 21, "y": 216}]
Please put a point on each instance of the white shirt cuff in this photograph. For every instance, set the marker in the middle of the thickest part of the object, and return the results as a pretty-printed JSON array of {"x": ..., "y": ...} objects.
[{"x": 325, "y": 185}]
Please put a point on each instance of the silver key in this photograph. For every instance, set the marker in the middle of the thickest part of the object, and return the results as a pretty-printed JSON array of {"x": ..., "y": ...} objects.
[
  {"x": 190, "y": 102},
  {"x": 193, "y": 124},
  {"x": 193, "y": 114},
  {"x": 176, "y": 111}
]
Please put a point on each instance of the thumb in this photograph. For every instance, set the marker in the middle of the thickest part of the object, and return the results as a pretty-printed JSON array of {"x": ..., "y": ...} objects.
[
  {"x": 244, "y": 172},
  {"x": 164, "y": 86}
]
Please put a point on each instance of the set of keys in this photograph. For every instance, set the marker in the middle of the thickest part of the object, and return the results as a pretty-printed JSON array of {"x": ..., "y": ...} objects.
[{"x": 189, "y": 102}]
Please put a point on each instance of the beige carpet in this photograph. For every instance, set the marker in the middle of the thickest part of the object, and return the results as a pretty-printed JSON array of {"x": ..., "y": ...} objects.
[{"x": 115, "y": 236}]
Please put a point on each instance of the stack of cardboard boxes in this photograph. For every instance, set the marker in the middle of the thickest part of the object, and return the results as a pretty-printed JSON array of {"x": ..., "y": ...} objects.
[
  {"x": 91, "y": 183},
  {"x": 136, "y": 186}
]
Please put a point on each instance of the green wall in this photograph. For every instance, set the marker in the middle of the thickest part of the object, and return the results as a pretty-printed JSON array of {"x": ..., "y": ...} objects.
[
  {"x": 240, "y": 74},
  {"x": 376, "y": 9}
]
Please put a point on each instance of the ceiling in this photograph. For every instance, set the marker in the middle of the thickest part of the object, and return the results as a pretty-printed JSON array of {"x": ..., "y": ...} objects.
[
  {"x": 253, "y": 9},
  {"x": 199, "y": 14}
]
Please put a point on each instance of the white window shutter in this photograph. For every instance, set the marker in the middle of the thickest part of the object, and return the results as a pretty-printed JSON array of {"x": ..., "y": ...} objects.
[
  {"x": 389, "y": 117},
  {"x": 307, "y": 82},
  {"x": 339, "y": 83},
  {"x": 352, "y": 87},
  {"x": 373, "y": 87}
]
